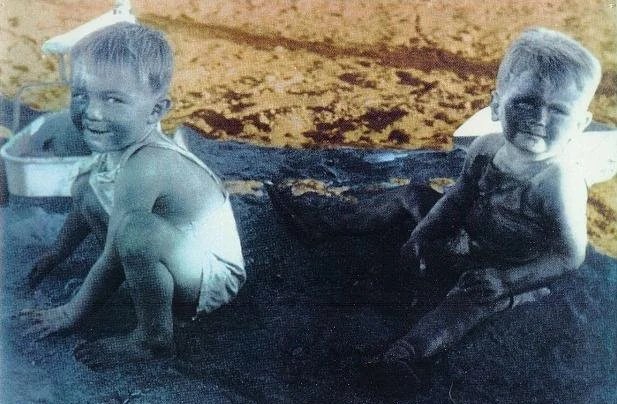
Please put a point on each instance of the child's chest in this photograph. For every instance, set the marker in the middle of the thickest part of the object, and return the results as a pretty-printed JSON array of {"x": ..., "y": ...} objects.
[
  {"x": 507, "y": 215},
  {"x": 502, "y": 198}
]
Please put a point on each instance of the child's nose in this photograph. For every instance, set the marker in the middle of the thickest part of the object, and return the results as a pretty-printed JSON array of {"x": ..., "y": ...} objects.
[
  {"x": 541, "y": 116},
  {"x": 93, "y": 111}
]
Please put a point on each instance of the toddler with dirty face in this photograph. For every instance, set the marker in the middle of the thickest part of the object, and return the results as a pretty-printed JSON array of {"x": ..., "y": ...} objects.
[
  {"x": 163, "y": 216},
  {"x": 518, "y": 208}
]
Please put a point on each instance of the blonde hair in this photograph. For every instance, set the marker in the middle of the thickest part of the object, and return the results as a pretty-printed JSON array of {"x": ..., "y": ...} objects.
[
  {"x": 554, "y": 56},
  {"x": 140, "y": 48}
]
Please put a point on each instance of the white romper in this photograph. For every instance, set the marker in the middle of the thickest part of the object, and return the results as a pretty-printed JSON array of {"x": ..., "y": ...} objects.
[{"x": 211, "y": 242}]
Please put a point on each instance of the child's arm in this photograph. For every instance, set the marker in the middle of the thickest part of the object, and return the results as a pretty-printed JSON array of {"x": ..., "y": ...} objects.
[
  {"x": 137, "y": 188},
  {"x": 448, "y": 213},
  {"x": 72, "y": 233},
  {"x": 565, "y": 198}
]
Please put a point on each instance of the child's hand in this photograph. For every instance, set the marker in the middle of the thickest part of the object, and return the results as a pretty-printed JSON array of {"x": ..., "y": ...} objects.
[
  {"x": 483, "y": 285},
  {"x": 411, "y": 251},
  {"x": 42, "y": 267}
]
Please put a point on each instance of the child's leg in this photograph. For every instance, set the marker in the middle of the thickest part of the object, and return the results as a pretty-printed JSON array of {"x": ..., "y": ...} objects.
[
  {"x": 145, "y": 245},
  {"x": 317, "y": 215},
  {"x": 451, "y": 321},
  {"x": 448, "y": 323},
  {"x": 403, "y": 364},
  {"x": 403, "y": 368}
]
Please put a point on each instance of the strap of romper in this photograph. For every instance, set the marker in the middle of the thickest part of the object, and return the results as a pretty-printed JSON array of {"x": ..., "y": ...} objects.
[{"x": 165, "y": 143}]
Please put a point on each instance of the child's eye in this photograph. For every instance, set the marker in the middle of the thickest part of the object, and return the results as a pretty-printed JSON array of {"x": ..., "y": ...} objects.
[
  {"x": 524, "y": 105},
  {"x": 113, "y": 100},
  {"x": 558, "y": 110},
  {"x": 78, "y": 96}
]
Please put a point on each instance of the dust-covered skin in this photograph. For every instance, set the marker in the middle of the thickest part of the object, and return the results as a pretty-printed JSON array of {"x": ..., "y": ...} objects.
[{"x": 519, "y": 201}]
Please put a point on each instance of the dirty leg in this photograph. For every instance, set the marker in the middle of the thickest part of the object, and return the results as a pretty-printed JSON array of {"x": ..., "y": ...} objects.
[
  {"x": 406, "y": 362},
  {"x": 454, "y": 318},
  {"x": 143, "y": 243}
]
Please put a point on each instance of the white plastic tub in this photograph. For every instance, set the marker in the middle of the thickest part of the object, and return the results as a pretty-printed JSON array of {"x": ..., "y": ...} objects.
[
  {"x": 29, "y": 172},
  {"x": 32, "y": 176}
]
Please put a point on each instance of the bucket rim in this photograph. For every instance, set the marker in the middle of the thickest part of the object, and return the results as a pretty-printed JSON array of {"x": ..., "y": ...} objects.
[{"x": 38, "y": 160}]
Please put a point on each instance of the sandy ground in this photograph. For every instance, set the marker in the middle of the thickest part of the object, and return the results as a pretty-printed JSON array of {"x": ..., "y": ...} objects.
[{"x": 334, "y": 72}]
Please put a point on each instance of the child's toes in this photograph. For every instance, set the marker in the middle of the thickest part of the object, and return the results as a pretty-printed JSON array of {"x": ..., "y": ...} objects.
[
  {"x": 32, "y": 316},
  {"x": 81, "y": 349},
  {"x": 88, "y": 354},
  {"x": 27, "y": 313},
  {"x": 37, "y": 331}
]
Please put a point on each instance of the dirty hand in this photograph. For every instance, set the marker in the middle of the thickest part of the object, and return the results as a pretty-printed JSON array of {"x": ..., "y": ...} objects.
[
  {"x": 483, "y": 285},
  {"x": 41, "y": 268},
  {"x": 411, "y": 252}
]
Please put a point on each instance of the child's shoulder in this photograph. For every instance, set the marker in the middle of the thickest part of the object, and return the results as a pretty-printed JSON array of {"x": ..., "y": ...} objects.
[
  {"x": 560, "y": 182},
  {"x": 486, "y": 145},
  {"x": 166, "y": 165},
  {"x": 152, "y": 159}
]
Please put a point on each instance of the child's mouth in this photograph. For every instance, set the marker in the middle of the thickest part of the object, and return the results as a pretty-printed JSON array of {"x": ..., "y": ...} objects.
[
  {"x": 97, "y": 132},
  {"x": 534, "y": 135}
]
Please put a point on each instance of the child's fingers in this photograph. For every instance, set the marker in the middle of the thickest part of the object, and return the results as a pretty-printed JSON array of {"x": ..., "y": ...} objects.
[
  {"x": 30, "y": 314},
  {"x": 39, "y": 325},
  {"x": 482, "y": 294},
  {"x": 83, "y": 352},
  {"x": 37, "y": 332}
]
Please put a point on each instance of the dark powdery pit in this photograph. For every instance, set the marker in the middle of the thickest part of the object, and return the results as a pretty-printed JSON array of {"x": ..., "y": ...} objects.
[{"x": 308, "y": 315}]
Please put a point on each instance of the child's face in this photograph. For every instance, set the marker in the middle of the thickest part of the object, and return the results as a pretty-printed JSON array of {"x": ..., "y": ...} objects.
[
  {"x": 539, "y": 117},
  {"x": 112, "y": 108}
]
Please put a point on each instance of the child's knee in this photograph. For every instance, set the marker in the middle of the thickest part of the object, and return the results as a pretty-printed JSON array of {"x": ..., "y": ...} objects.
[
  {"x": 139, "y": 236},
  {"x": 418, "y": 199}
]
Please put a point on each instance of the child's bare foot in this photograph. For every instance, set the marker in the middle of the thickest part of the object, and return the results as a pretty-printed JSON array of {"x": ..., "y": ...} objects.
[
  {"x": 42, "y": 323},
  {"x": 111, "y": 351},
  {"x": 397, "y": 372}
]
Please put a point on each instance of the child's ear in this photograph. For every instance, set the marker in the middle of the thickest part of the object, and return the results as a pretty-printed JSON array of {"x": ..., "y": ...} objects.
[
  {"x": 494, "y": 106},
  {"x": 160, "y": 109}
]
